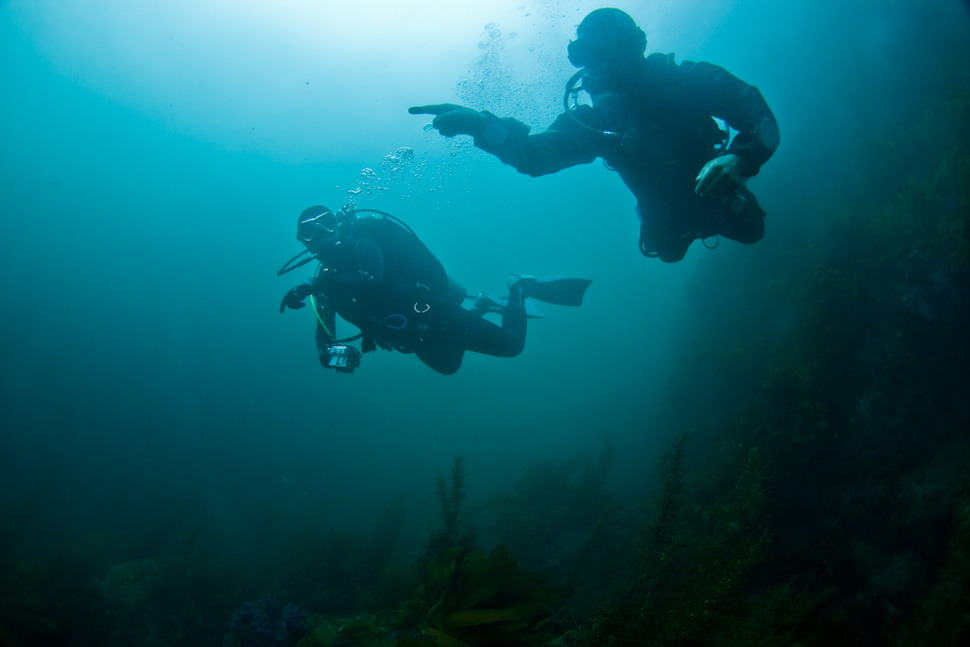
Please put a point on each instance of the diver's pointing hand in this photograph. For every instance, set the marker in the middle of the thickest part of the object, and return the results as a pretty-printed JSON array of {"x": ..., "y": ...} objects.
[
  {"x": 452, "y": 119},
  {"x": 434, "y": 109}
]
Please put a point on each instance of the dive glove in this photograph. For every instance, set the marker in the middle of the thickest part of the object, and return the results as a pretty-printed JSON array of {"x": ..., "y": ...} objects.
[
  {"x": 452, "y": 119},
  {"x": 719, "y": 176},
  {"x": 295, "y": 297}
]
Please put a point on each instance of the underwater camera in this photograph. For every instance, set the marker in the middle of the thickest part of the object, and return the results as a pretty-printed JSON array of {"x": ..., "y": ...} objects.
[{"x": 344, "y": 359}]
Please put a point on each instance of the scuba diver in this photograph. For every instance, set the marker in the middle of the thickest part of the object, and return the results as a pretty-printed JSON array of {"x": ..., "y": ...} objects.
[
  {"x": 653, "y": 121},
  {"x": 376, "y": 274}
]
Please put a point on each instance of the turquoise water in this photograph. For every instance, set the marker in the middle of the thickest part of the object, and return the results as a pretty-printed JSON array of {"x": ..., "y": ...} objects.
[{"x": 154, "y": 158}]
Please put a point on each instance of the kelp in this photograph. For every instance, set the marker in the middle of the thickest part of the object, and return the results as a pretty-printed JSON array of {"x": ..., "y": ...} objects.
[
  {"x": 687, "y": 580},
  {"x": 473, "y": 598},
  {"x": 548, "y": 517}
]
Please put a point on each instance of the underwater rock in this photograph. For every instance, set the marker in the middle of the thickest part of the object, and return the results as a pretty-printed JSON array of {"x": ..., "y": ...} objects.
[{"x": 266, "y": 623}]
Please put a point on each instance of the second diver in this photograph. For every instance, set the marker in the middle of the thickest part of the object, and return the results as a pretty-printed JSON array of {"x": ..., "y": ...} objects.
[{"x": 376, "y": 274}]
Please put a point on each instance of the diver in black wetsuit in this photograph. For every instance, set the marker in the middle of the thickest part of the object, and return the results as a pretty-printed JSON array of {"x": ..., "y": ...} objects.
[
  {"x": 376, "y": 274},
  {"x": 652, "y": 121}
]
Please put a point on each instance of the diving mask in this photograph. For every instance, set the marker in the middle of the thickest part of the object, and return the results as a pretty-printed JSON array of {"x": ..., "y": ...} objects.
[{"x": 315, "y": 227}]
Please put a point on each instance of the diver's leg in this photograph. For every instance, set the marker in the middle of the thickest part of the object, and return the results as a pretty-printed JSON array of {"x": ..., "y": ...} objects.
[
  {"x": 659, "y": 238},
  {"x": 674, "y": 249},
  {"x": 443, "y": 358},
  {"x": 514, "y": 318},
  {"x": 744, "y": 219},
  {"x": 479, "y": 335}
]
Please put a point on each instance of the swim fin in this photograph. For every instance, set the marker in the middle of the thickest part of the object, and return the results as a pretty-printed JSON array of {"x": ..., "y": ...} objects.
[{"x": 557, "y": 290}]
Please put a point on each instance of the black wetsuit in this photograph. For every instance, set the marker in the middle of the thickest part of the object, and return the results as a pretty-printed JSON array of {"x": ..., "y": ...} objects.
[
  {"x": 665, "y": 133},
  {"x": 384, "y": 280}
]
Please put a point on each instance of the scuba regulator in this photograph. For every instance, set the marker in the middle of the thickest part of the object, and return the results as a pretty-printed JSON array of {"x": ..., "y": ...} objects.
[{"x": 570, "y": 102}]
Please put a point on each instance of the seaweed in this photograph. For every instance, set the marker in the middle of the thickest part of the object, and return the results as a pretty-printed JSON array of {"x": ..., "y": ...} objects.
[
  {"x": 688, "y": 578},
  {"x": 552, "y": 517},
  {"x": 470, "y": 597},
  {"x": 451, "y": 497},
  {"x": 942, "y": 615}
]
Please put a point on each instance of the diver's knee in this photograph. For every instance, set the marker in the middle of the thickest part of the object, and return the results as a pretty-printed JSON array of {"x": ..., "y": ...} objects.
[{"x": 750, "y": 233}]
